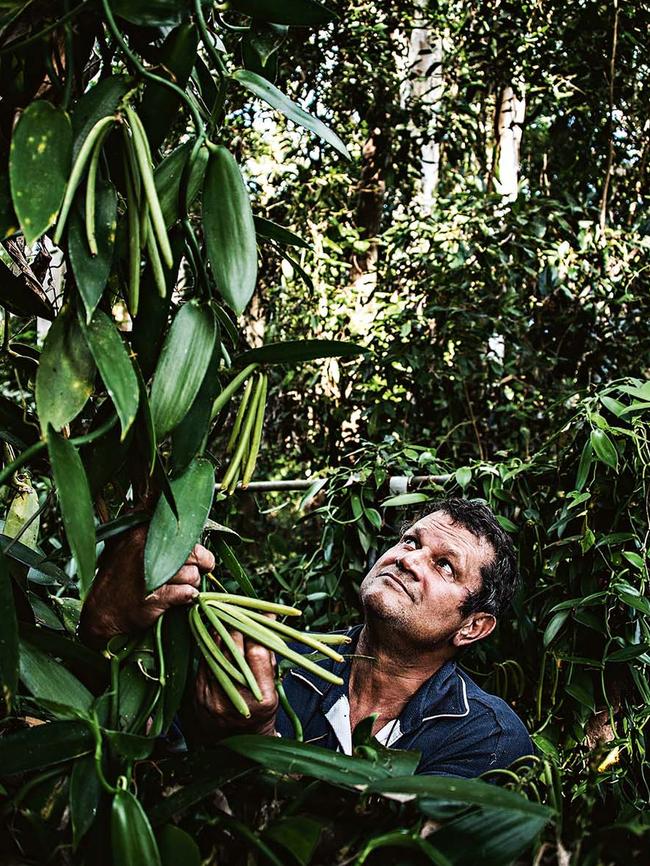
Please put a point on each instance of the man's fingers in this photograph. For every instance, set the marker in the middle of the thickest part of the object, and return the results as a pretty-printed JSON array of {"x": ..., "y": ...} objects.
[
  {"x": 201, "y": 557},
  {"x": 171, "y": 595},
  {"x": 262, "y": 664},
  {"x": 188, "y": 574}
]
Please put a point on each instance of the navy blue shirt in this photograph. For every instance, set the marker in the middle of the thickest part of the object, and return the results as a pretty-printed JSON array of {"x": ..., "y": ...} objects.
[{"x": 459, "y": 729}]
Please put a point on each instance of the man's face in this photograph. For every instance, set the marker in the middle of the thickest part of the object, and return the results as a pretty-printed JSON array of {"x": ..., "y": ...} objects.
[{"x": 419, "y": 585}]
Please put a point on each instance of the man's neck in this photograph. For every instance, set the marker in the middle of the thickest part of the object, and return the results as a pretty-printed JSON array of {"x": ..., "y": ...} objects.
[{"x": 385, "y": 674}]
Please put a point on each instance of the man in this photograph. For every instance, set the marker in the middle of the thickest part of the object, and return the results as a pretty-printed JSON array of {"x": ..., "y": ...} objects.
[{"x": 438, "y": 590}]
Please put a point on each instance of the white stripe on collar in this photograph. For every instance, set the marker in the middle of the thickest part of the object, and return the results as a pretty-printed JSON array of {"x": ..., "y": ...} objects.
[
  {"x": 305, "y": 680},
  {"x": 338, "y": 716},
  {"x": 452, "y": 715}
]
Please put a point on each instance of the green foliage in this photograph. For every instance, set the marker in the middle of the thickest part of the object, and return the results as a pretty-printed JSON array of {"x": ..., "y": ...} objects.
[{"x": 156, "y": 162}]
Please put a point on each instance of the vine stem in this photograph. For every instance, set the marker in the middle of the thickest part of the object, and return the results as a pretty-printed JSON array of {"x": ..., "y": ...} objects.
[{"x": 146, "y": 73}]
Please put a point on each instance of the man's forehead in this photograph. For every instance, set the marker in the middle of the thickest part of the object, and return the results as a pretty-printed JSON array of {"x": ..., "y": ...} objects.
[{"x": 441, "y": 524}]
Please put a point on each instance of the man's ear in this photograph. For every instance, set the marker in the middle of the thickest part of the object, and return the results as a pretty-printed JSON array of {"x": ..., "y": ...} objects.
[{"x": 476, "y": 627}]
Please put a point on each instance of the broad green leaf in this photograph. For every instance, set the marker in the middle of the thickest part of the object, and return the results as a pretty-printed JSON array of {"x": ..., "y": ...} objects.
[
  {"x": 634, "y": 558},
  {"x": 8, "y": 218},
  {"x": 463, "y": 476},
  {"x": 182, "y": 366},
  {"x": 234, "y": 567},
  {"x": 85, "y": 793},
  {"x": 614, "y": 406},
  {"x": 459, "y": 790},
  {"x": 132, "y": 839},
  {"x": 43, "y": 745},
  {"x": 22, "y": 511},
  {"x": 506, "y": 523},
  {"x": 189, "y": 435},
  {"x": 491, "y": 837},
  {"x": 286, "y": 756},
  {"x": 159, "y": 103},
  {"x": 131, "y": 747},
  {"x": 9, "y": 654},
  {"x": 100, "y": 101},
  {"x": 604, "y": 448},
  {"x": 404, "y": 499},
  {"x": 91, "y": 272},
  {"x": 229, "y": 230},
  {"x": 586, "y": 459},
  {"x": 151, "y": 13},
  {"x": 272, "y": 231},
  {"x": 114, "y": 365},
  {"x": 76, "y": 505},
  {"x": 178, "y": 847},
  {"x": 46, "y": 678},
  {"x": 66, "y": 373},
  {"x": 39, "y": 165},
  {"x": 36, "y": 562},
  {"x": 276, "y": 99},
  {"x": 629, "y": 652},
  {"x": 305, "y": 13},
  {"x": 554, "y": 626},
  {"x": 177, "y": 646},
  {"x": 168, "y": 179},
  {"x": 169, "y": 541},
  {"x": 293, "y": 351},
  {"x": 298, "y": 834}
]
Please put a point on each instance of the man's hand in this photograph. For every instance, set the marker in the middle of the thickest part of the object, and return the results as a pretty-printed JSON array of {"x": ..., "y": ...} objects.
[
  {"x": 117, "y": 603},
  {"x": 216, "y": 715}
]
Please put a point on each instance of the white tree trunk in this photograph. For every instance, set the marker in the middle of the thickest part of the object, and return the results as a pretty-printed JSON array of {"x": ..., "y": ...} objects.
[{"x": 512, "y": 112}]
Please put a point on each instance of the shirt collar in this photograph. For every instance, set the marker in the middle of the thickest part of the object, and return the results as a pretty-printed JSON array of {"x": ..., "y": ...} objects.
[{"x": 443, "y": 695}]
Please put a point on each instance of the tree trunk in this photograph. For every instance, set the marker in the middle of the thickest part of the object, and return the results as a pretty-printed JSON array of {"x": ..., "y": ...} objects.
[{"x": 509, "y": 123}]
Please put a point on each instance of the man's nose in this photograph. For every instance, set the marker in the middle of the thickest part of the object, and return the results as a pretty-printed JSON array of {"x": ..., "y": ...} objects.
[{"x": 412, "y": 562}]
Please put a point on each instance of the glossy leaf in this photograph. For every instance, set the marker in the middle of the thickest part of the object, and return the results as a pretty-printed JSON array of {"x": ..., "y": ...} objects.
[
  {"x": 100, "y": 101},
  {"x": 459, "y": 790},
  {"x": 91, "y": 272},
  {"x": 22, "y": 295},
  {"x": 404, "y": 499},
  {"x": 176, "y": 56},
  {"x": 114, "y": 365},
  {"x": 554, "y": 626},
  {"x": 66, "y": 373},
  {"x": 9, "y": 652},
  {"x": 182, "y": 366},
  {"x": 131, "y": 747},
  {"x": 21, "y": 517},
  {"x": 36, "y": 562},
  {"x": 294, "y": 351},
  {"x": 178, "y": 847},
  {"x": 170, "y": 541},
  {"x": 188, "y": 436},
  {"x": 39, "y": 165},
  {"x": 298, "y": 834},
  {"x": 286, "y": 756},
  {"x": 234, "y": 567},
  {"x": 278, "y": 100},
  {"x": 85, "y": 793},
  {"x": 272, "y": 231},
  {"x": 305, "y": 13},
  {"x": 76, "y": 505},
  {"x": 604, "y": 448},
  {"x": 463, "y": 476},
  {"x": 229, "y": 230},
  {"x": 46, "y": 678},
  {"x": 43, "y": 745},
  {"x": 167, "y": 177},
  {"x": 491, "y": 837},
  {"x": 132, "y": 839},
  {"x": 177, "y": 644}
]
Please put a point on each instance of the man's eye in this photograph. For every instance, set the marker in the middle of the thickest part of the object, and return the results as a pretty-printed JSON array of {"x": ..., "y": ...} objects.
[
  {"x": 446, "y": 566},
  {"x": 410, "y": 540}
]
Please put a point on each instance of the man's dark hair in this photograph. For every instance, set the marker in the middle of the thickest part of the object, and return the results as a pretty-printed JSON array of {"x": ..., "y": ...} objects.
[{"x": 500, "y": 577}]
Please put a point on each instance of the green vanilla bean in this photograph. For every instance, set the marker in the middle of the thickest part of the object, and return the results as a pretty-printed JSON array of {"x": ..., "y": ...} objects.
[
  {"x": 213, "y": 649},
  {"x": 231, "y": 389},
  {"x": 235, "y": 652},
  {"x": 247, "y": 601},
  {"x": 133, "y": 290},
  {"x": 142, "y": 153},
  {"x": 77, "y": 173},
  {"x": 91, "y": 191},
  {"x": 294, "y": 633},
  {"x": 332, "y": 639},
  {"x": 244, "y": 439},
  {"x": 222, "y": 678},
  {"x": 256, "y": 438},
  {"x": 289, "y": 710},
  {"x": 154, "y": 259},
  {"x": 272, "y": 641},
  {"x": 239, "y": 417}
]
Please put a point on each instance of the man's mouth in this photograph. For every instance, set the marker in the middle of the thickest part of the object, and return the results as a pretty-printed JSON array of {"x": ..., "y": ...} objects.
[{"x": 397, "y": 581}]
